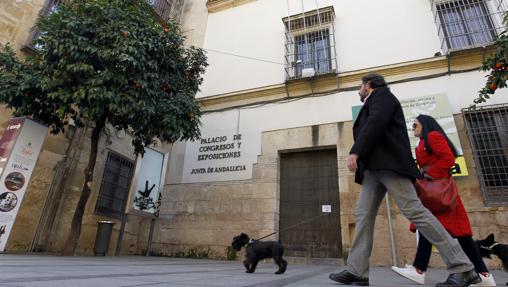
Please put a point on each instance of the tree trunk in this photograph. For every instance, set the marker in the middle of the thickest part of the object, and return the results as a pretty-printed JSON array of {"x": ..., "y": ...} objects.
[
  {"x": 75, "y": 232},
  {"x": 66, "y": 167}
]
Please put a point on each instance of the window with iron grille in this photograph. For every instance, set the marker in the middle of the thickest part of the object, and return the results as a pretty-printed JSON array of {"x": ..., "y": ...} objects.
[
  {"x": 312, "y": 50},
  {"x": 310, "y": 43},
  {"x": 115, "y": 186},
  {"x": 468, "y": 23},
  {"x": 50, "y": 7},
  {"x": 487, "y": 128},
  {"x": 165, "y": 9}
]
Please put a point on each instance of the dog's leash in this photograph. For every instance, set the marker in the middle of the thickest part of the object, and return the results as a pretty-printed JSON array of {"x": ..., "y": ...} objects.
[{"x": 289, "y": 227}]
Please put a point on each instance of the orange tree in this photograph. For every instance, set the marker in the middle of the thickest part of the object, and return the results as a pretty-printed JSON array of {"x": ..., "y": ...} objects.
[
  {"x": 106, "y": 61},
  {"x": 497, "y": 65}
]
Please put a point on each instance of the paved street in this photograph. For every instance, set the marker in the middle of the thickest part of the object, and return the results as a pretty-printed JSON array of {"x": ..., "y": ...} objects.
[{"x": 36, "y": 270}]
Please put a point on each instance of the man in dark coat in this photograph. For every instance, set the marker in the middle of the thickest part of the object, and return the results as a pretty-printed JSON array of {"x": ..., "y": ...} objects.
[{"x": 382, "y": 161}]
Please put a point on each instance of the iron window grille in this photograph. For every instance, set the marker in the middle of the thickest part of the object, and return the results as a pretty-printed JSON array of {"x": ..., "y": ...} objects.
[
  {"x": 168, "y": 9},
  {"x": 310, "y": 43},
  {"x": 164, "y": 9},
  {"x": 464, "y": 24},
  {"x": 49, "y": 7},
  {"x": 487, "y": 128},
  {"x": 115, "y": 185}
]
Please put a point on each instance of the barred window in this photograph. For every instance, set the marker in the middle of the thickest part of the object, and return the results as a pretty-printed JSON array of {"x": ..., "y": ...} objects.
[
  {"x": 115, "y": 186},
  {"x": 487, "y": 128},
  {"x": 165, "y": 9},
  {"x": 168, "y": 9},
  {"x": 310, "y": 43},
  {"x": 313, "y": 51},
  {"x": 50, "y": 7},
  {"x": 468, "y": 23}
]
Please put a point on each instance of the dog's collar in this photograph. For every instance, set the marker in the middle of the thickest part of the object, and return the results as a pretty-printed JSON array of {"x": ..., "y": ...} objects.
[
  {"x": 250, "y": 242},
  {"x": 490, "y": 247}
]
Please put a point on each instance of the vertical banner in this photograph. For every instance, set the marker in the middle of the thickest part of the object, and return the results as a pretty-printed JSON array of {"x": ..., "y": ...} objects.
[
  {"x": 146, "y": 188},
  {"x": 20, "y": 146}
]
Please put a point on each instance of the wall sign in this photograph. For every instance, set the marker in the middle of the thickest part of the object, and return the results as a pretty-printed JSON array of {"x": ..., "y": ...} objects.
[{"x": 439, "y": 108}]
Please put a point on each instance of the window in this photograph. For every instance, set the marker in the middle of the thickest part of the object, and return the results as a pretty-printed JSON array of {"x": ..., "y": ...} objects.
[
  {"x": 161, "y": 7},
  {"x": 164, "y": 9},
  {"x": 49, "y": 7},
  {"x": 310, "y": 43},
  {"x": 468, "y": 23},
  {"x": 487, "y": 128},
  {"x": 115, "y": 186},
  {"x": 312, "y": 50},
  {"x": 167, "y": 9}
]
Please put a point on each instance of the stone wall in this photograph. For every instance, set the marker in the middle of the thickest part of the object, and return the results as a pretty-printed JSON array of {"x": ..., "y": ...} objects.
[
  {"x": 17, "y": 17},
  {"x": 200, "y": 219},
  {"x": 135, "y": 225},
  {"x": 61, "y": 163}
]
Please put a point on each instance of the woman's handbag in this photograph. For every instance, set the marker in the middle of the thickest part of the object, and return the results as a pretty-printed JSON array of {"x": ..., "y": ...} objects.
[{"x": 438, "y": 195}]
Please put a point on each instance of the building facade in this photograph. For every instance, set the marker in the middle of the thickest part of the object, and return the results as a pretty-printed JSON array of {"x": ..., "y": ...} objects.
[
  {"x": 279, "y": 99},
  {"x": 44, "y": 218}
]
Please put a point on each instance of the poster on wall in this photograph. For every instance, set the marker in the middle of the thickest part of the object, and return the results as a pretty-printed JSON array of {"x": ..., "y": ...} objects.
[
  {"x": 439, "y": 108},
  {"x": 20, "y": 146},
  {"x": 146, "y": 188}
]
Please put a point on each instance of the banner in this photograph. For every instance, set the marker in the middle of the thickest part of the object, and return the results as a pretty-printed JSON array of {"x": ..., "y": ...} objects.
[
  {"x": 146, "y": 188},
  {"x": 20, "y": 146},
  {"x": 439, "y": 108}
]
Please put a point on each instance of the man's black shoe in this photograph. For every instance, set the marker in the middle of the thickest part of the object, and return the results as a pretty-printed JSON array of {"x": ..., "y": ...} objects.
[
  {"x": 463, "y": 279},
  {"x": 348, "y": 278}
]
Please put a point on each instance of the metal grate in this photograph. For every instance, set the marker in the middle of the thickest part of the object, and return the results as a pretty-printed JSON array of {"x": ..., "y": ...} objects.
[
  {"x": 165, "y": 9},
  {"x": 49, "y": 7},
  {"x": 115, "y": 186},
  {"x": 468, "y": 23},
  {"x": 168, "y": 9},
  {"x": 177, "y": 10},
  {"x": 161, "y": 7},
  {"x": 310, "y": 44},
  {"x": 488, "y": 132}
]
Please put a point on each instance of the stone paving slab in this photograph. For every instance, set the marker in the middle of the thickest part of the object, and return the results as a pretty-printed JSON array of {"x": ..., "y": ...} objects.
[{"x": 130, "y": 271}]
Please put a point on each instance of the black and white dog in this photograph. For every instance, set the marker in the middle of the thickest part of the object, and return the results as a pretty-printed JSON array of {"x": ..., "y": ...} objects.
[
  {"x": 489, "y": 246},
  {"x": 259, "y": 250}
]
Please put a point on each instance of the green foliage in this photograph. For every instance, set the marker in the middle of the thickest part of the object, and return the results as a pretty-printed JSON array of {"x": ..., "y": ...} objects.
[
  {"x": 230, "y": 253},
  {"x": 108, "y": 59},
  {"x": 192, "y": 253},
  {"x": 497, "y": 64}
]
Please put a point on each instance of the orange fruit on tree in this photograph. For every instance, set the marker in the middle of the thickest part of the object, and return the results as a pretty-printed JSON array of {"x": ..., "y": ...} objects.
[{"x": 493, "y": 86}]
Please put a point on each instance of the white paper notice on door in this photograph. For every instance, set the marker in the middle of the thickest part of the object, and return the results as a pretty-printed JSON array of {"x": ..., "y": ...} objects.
[{"x": 326, "y": 208}]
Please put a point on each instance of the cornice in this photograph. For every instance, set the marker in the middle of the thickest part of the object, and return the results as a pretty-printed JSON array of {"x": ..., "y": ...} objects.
[
  {"x": 219, "y": 5},
  {"x": 349, "y": 80}
]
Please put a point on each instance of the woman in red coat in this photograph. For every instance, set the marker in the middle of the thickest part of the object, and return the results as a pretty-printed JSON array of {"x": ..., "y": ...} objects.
[{"x": 435, "y": 155}]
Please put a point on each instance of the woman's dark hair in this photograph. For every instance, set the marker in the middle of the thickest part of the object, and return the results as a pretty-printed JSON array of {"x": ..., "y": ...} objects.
[
  {"x": 375, "y": 80},
  {"x": 429, "y": 124}
]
